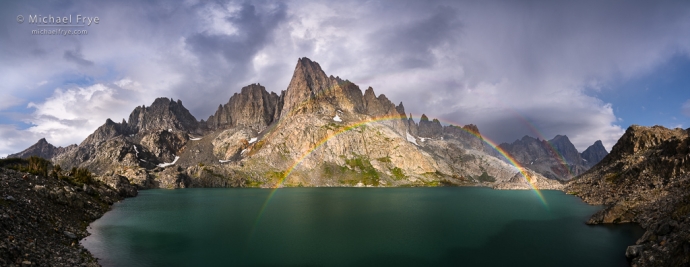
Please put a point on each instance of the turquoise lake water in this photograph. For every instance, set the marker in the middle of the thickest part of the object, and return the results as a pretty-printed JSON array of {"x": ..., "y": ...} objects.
[{"x": 444, "y": 226}]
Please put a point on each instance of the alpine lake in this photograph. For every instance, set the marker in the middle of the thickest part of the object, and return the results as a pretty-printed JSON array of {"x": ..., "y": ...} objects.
[{"x": 442, "y": 226}]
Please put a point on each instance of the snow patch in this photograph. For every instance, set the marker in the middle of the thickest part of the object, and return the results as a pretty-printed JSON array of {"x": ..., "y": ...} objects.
[
  {"x": 411, "y": 139},
  {"x": 163, "y": 165},
  {"x": 142, "y": 160},
  {"x": 223, "y": 161},
  {"x": 337, "y": 118},
  {"x": 170, "y": 130},
  {"x": 136, "y": 150},
  {"x": 252, "y": 140},
  {"x": 195, "y": 139},
  {"x": 423, "y": 139},
  {"x": 243, "y": 151},
  {"x": 584, "y": 159}
]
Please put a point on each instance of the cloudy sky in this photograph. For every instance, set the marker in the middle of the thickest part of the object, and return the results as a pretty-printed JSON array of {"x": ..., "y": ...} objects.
[{"x": 586, "y": 69}]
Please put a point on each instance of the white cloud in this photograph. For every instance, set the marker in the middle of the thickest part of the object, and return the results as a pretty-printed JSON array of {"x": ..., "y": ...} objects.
[{"x": 68, "y": 116}]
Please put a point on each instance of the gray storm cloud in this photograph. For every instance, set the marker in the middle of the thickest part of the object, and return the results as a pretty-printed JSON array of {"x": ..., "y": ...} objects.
[{"x": 513, "y": 68}]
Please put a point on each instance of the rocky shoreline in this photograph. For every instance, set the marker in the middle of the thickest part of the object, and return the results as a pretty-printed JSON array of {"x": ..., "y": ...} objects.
[{"x": 43, "y": 218}]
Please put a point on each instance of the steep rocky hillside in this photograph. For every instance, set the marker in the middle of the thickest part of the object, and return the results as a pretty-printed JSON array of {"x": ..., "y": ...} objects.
[
  {"x": 645, "y": 179},
  {"x": 42, "y": 218}
]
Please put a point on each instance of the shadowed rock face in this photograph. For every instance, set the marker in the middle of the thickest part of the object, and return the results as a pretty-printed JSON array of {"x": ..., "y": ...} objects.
[
  {"x": 429, "y": 128},
  {"x": 468, "y": 135},
  {"x": 42, "y": 149},
  {"x": 645, "y": 179},
  {"x": 162, "y": 114},
  {"x": 556, "y": 158},
  {"x": 253, "y": 107},
  {"x": 594, "y": 154}
]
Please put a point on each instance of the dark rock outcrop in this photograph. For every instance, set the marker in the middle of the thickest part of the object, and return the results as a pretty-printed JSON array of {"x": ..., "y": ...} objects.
[
  {"x": 42, "y": 149},
  {"x": 412, "y": 126},
  {"x": 429, "y": 129},
  {"x": 594, "y": 154},
  {"x": 253, "y": 107},
  {"x": 468, "y": 135},
  {"x": 645, "y": 179}
]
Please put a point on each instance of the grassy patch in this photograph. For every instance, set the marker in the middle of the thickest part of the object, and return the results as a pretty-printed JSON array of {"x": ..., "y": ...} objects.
[
  {"x": 331, "y": 126},
  {"x": 432, "y": 183},
  {"x": 398, "y": 173},
  {"x": 363, "y": 165},
  {"x": 386, "y": 159},
  {"x": 273, "y": 175},
  {"x": 212, "y": 173},
  {"x": 611, "y": 177},
  {"x": 253, "y": 183}
]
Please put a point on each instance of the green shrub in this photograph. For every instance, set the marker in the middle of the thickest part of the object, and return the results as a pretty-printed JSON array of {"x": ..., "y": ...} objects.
[
  {"x": 81, "y": 176},
  {"x": 38, "y": 166}
]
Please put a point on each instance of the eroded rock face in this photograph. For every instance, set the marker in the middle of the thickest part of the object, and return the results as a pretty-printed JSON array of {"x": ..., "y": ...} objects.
[
  {"x": 139, "y": 177},
  {"x": 173, "y": 178},
  {"x": 120, "y": 184},
  {"x": 165, "y": 145},
  {"x": 645, "y": 180},
  {"x": 253, "y": 107},
  {"x": 230, "y": 143}
]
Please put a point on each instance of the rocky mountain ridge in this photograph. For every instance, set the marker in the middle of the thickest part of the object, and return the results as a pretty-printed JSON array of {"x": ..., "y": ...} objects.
[
  {"x": 556, "y": 158},
  {"x": 645, "y": 179},
  {"x": 41, "y": 149},
  {"x": 320, "y": 131}
]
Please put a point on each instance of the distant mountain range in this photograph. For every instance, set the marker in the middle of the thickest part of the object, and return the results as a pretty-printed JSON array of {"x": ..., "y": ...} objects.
[{"x": 320, "y": 131}]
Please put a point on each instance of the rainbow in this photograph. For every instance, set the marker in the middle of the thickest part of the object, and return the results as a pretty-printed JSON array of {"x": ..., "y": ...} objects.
[{"x": 356, "y": 125}]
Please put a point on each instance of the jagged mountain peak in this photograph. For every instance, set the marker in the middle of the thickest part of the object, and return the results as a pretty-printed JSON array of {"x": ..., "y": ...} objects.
[
  {"x": 163, "y": 113},
  {"x": 42, "y": 148},
  {"x": 310, "y": 90},
  {"x": 253, "y": 107},
  {"x": 594, "y": 153}
]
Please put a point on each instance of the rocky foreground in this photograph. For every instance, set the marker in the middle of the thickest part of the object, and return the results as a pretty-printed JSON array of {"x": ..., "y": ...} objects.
[
  {"x": 43, "y": 218},
  {"x": 646, "y": 180}
]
